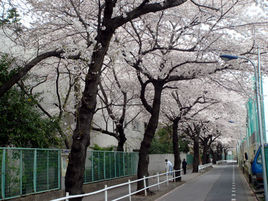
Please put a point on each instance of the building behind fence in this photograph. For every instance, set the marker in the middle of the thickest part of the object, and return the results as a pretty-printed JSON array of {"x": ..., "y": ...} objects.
[{"x": 27, "y": 171}]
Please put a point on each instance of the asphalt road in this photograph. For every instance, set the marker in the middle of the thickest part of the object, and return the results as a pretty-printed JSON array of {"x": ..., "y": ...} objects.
[{"x": 222, "y": 183}]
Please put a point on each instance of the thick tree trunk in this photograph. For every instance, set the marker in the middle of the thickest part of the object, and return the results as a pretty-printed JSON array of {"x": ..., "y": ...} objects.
[
  {"x": 81, "y": 135},
  {"x": 148, "y": 136},
  {"x": 177, "y": 159},
  {"x": 122, "y": 138},
  {"x": 196, "y": 154},
  {"x": 205, "y": 154}
]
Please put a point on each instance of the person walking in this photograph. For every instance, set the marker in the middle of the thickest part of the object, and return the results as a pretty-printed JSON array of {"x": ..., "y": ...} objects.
[
  {"x": 184, "y": 165},
  {"x": 169, "y": 166}
]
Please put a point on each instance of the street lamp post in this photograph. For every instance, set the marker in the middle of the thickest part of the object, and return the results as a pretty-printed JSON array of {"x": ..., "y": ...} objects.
[{"x": 257, "y": 92}]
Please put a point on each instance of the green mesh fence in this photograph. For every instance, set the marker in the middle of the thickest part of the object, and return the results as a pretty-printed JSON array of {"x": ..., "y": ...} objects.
[
  {"x": 25, "y": 171},
  {"x": 103, "y": 165},
  {"x": 252, "y": 116},
  {"x": 189, "y": 159}
]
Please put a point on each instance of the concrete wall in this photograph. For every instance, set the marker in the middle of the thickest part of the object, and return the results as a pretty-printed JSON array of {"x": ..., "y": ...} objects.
[{"x": 157, "y": 161}]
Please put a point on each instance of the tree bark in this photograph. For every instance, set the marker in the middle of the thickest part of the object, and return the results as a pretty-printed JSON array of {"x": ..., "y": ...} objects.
[
  {"x": 148, "y": 136},
  {"x": 205, "y": 154},
  {"x": 121, "y": 139},
  {"x": 214, "y": 156},
  {"x": 81, "y": 135},
  {"x": 27, "y": 67},
  {"x": 64, "y": 137},
  {"x": 196, "y": 153},
  {"x": 177, "y": 159}
]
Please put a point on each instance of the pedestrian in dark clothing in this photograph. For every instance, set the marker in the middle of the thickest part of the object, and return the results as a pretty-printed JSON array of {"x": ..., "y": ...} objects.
[{"x": 184, "y": 165}]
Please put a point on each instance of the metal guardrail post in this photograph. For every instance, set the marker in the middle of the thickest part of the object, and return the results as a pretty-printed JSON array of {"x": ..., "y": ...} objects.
[
  {"x": 158, "y": 180},
  {"x": 106, "y": 193},
  {"x": 145, "y": 187},
  {"x": 129, "y": 189},
  {"x": 167, "y": 177},
  {"x": 67, "y": 194}
]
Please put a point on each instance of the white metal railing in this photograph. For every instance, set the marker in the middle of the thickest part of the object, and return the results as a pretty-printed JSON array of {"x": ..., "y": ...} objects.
[
  {"x": 130, "y": 192},
  {"x": 221, "y": 161},
  {"x": 202, "y": 167}
]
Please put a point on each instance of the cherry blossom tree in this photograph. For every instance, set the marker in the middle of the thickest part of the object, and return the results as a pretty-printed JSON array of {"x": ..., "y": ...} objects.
[
  {"x": 84, "y": 30},
  {"x": 160, "y": 60},
  {"x": 60, "y": 107},
  {"x": 119, "y": 99},
  {"x": 216, "y": 151},
  {"x": 177, "y": 109},
  {"x": 208, "y": 136},
  {"x": 193, "y": 131}
]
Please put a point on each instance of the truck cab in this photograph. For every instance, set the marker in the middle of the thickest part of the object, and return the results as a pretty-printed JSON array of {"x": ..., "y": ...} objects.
[{"x": 256, "y": 167}]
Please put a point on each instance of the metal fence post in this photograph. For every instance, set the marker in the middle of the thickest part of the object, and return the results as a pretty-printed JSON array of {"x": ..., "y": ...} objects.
[
  {"x": 104, "y": 166},
  {"x": 158, "y": 180},
  {"x": 35, "y": 169},
  {"x": 59, "y": 169},
  {"x": 131, "y": 168},
  {"x": 129, "y": 189},
  {"x": 124, "y": 165},
  {"x": 114, "y": 164},
  {"x": 167, "y": 177},
  {"x": 106, "y": 193},
  {"x": 110, "y": 157},
  {"x": 119, "y": 168},
  {"x": 67, "y": 194},
  {"x": 3, "y": 173},
  {"x": 145, "y": 187},
  {"x": 92, "y": 165},
  {"x": 21, "y": 172},
  {"x": 47, "y": 169},
  {"x": 98, "y": 165}
]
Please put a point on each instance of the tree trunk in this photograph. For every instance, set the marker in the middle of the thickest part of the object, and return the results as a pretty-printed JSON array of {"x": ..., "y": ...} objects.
[
  {"x": 122, "y": 138},
  {"x": 177, "y": 159},
  {"x": 148, "y": 136},
  {"x": 81, "y": 135},
  {"x": 205, "y": 154},
  {"x": 196, "y": 154},
  {"x": 214, "y": 156},
  {"x": 225, "y": 155}
]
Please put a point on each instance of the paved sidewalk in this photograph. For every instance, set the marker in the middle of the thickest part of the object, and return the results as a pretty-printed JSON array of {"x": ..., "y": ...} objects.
[{"x": 164, "y": 188}]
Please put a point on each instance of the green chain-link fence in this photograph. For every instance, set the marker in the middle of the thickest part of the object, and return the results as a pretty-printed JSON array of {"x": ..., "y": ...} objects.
[
  {"x": 26, "y": 171},
  {"x": 189, "y": 159},
  {"x": 103, "y": 165}
]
